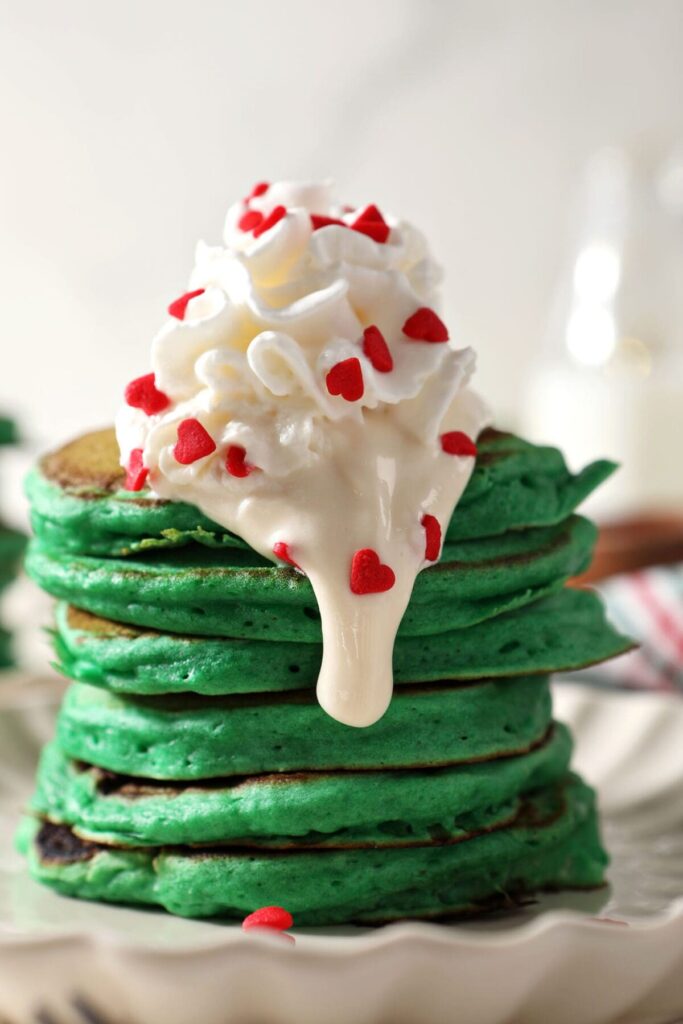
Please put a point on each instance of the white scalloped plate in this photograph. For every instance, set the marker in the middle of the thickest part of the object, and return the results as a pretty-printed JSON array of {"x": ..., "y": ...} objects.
[{"x": 609, "y": 956}]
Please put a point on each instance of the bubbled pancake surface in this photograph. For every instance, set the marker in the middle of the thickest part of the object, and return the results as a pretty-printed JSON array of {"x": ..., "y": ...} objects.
[
  {"x": 231, "y": 593},
  {"x": 562, "y": 632},
  {"x": 552, "y": 842},
  {"x": 337, "y": 809},
  {"x": 191, "y": 737}
]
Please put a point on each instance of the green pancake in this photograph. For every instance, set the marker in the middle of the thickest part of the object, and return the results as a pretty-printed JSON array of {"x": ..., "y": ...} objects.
[
  {"x": 188, "y": 737},
  {"x": 559, "y": 633},
  {"x": 8, "y": 431},
  {"x": 235, "y": 593},
  {"x": 6, "y": 659},
  {"x": 553, "y": 843},
  {"x": 12, "y": 544},
  {"x": 192, "y": 766},
  {"x": 517, "y": 484},
  {"x": 78, "y": 504},
  {"x": 340, "y": 809}
]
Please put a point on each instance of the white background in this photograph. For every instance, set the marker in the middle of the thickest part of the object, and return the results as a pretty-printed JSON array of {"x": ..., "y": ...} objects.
[{"x": 127, "y": 128}]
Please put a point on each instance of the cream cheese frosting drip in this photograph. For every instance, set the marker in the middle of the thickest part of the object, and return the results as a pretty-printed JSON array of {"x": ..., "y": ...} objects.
[{"x": 305, "y": 395}]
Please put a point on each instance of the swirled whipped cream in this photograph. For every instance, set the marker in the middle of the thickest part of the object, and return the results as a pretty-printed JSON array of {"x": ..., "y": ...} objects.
[{"x": 305, "y": 395}]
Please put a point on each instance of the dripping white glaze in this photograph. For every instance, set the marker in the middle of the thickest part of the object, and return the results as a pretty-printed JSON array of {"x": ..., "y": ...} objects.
[{"x": 329, "y": 477}]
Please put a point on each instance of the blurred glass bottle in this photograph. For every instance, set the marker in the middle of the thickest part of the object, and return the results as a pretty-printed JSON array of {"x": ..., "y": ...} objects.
[{"x": 609, "y": 379}]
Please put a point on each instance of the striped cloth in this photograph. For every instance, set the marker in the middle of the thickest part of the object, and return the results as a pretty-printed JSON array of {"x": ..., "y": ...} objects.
[{"x": 648, "y": 606}]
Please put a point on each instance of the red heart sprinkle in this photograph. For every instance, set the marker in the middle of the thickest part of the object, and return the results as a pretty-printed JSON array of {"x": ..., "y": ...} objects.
[
  {"x": 455, "y": 442},
  {"x": 250, "y": 220},
  {"x": 346, "y": 379},
  {"x": 178, "y": 307},
  {"x": 235, "y": 461},
  {"x": 136, "y": 473},
  {"x": 319, "y": 220},
  {"x": 378, "y": 232},
  {"x": 259, "y": 189},
  {"x": 371, "y": 222},
  {"x": 142, "y": 393},
  {"x": 271, "y": 220},
  {"x": 194, "y": 442},
  {"x": 370, "y": 215},
  {"x": 377, "y": 350},
  {"x": 432, "y": 537},
  {"x": 276, "y": 918},
  {"x": 368, "y": 575},
  {"x": 281, "y": 551},
  {"x": 425, "y": 325}
]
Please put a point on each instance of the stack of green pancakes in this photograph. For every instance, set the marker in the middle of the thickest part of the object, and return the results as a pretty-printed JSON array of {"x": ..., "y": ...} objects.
[
  {"x": 193, "y": 768},
  {"x": 11, "y": 548}
]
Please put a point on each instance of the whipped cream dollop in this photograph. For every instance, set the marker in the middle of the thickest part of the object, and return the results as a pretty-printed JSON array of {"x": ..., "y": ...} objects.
[{"x": 306, "y": 395}]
